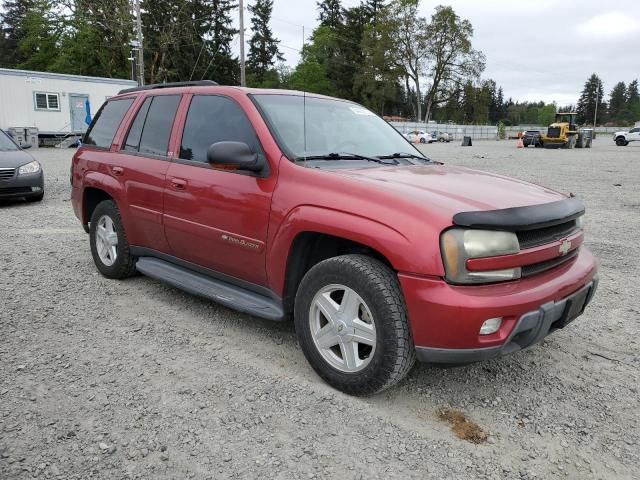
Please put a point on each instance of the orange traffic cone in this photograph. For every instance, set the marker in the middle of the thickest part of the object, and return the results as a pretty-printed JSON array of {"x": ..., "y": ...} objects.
[{"x": 520, "y": 144}]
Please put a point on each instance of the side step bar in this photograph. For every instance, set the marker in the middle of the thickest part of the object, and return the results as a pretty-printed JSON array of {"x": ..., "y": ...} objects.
[{"x": 219, "y": 291}]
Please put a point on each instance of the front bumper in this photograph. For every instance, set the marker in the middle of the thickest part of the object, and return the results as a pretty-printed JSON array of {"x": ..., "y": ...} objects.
[
  {"x": 22, "y": 185},
  {"x": 445, "y": 319},
  {"x": 531, "y": 328}
]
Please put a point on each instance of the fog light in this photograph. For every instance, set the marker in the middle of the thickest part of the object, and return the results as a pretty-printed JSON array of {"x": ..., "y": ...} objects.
[
  {"x": 36, "y": 189},
  {"x": 490, "y": 326}
]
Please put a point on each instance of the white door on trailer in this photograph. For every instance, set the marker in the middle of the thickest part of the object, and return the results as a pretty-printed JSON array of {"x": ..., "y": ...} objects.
[{"x": 78, "y": 106}]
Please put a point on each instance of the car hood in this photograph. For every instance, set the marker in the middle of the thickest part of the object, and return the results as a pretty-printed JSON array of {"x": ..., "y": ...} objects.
[
  {"x": 447, "y": 190},
  {"x": 621, "y": 132},
  {"x": 14, "y": 159}
]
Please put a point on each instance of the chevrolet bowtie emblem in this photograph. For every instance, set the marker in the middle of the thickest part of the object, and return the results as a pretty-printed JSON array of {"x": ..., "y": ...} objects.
[{"x": 565, "y": 247}]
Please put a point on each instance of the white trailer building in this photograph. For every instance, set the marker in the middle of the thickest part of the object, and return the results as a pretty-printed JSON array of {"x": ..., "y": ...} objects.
[{"x": 51, "y": 106}]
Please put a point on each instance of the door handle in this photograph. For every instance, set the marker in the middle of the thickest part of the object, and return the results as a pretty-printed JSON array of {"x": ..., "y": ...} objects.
[
  {"x": 117, "y": 171},
  {"x": 178, "y": 183}
]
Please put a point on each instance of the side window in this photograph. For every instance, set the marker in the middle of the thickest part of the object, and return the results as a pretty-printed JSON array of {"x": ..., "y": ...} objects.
[
  {"x": 106, "y": 123},
  {"x": 214, "y": 119},
  {"x": 157, "y": 127},
  {"x": 132, "y": 143}
]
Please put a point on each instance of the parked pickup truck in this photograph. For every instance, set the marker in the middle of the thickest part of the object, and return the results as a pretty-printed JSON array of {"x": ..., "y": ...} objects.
[
  {"x": 622, "y": 139},
  {"x": 264, "y": 201}
]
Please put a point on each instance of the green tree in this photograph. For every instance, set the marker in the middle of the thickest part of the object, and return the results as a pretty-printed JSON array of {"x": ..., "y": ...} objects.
[
  {"x": 451, "y": 58},
  {"x": 618, "y": 111},
  {"x": 376, "y": 82},
  {"x": 373, "y": 8},
  {"x": 547, "y": 114},
  {"x": 633, "y": 101},
  {"x": 409, "y": 44},
  {"x": 263, "y": 47},
  {"x": 330, "y": 13},
  {"x": 593, "y": 91},
  {"x": 39, "y": 45},
  {"x": 189, "y": 40},
  {"x": 311, "y": 73},
  {"x": 13, "y": 29},
  {"x": 96, "y": 39}
]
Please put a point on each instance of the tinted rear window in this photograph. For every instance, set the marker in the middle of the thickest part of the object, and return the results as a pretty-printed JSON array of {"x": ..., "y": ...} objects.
[
  {"x": 106, "y": 122},
  {"x": 157, "y": 127},
  {"x": 135, "y": 132}
]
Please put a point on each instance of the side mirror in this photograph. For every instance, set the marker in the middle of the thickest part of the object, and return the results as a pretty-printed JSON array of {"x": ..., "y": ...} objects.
[
  {"x": 25, "y": 146},
  {"x": 234, "y": 154}
]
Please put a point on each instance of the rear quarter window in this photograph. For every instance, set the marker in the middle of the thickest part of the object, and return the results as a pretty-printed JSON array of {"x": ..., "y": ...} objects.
[{"x": 106, "y": 123}]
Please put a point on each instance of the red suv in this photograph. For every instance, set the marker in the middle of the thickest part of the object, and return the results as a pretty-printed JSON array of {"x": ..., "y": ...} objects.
[{"x": 267, "y": 202}]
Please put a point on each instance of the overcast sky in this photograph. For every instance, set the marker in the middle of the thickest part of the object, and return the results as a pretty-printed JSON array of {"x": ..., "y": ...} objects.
[{"x": 536, "y": 50}]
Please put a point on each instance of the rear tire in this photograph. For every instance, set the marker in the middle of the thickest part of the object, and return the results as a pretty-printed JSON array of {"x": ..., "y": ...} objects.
[
  {"x": 109, "y": 246},
  {"x": 371, "y": 290},
  {"x": 422, "y": 140}
]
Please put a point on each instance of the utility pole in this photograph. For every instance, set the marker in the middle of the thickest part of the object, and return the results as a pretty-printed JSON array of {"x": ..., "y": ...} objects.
[
  {"x": 140, "y": 51},
  {"x": 243, "y": 82}
]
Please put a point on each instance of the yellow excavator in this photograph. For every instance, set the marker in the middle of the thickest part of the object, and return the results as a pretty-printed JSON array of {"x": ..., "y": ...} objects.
[{"x": 563, "y": 132}]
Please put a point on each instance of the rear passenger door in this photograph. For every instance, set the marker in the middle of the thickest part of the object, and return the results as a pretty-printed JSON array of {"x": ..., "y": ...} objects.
[
  {"x": 217, "y": 218},
  {"x": 142, "y": 164}
]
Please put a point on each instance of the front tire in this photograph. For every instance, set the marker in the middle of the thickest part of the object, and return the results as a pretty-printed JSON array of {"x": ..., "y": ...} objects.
[
  {"x": 352, "y": 325},
  {"x": 621, "y": 142},
  {"x": 108, "y": 239},
  {"x": 422, "y": 140}
]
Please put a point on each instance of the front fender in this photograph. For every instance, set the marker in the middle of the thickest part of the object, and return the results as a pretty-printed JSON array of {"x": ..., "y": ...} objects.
[{"x": 392, "y": 244}]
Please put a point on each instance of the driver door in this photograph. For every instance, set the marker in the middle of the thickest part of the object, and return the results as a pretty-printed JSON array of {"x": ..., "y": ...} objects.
[{"x": 217, "y": 218}]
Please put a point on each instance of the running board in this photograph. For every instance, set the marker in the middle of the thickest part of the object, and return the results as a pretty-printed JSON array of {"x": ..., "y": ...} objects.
[{"x": 229, "y": 295}]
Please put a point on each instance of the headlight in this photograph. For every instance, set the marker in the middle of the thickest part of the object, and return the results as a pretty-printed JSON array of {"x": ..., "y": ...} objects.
[
  {"x": 458, "y": 245},
  {"x": 31, "y": 167}
]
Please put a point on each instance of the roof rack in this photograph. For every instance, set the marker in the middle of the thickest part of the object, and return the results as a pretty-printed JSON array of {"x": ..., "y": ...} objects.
[{"x": 153, "y": 86}]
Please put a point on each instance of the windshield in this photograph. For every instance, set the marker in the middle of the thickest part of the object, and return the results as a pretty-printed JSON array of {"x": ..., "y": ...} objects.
[
  {"x": 6, "y": 144},
  {"x": 332, "y": 126}
]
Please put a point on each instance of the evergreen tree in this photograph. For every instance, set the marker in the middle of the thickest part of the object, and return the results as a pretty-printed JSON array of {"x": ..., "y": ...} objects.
[
  {"x": 633, "y": 102},
  {"x": 593, "y": 91},
  {"x": 38, "y": 48},
  {"x": 12, "y": 31},
  {"x": 189, "y": 40},
  {"x": 96, "y": 39},
  {"x": 372, "y": 9},
  {"x": 224, "y": 67},
  {"x": 263, "y": 47},
  {"x": 618, "y": 112},
  {"x": 330, "y": 14}
]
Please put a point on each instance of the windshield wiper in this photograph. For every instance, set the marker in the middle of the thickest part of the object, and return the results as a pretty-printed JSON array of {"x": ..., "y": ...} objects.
[
  {"x": 403, "y": 155},
  {"x": 346, "y": 156}
]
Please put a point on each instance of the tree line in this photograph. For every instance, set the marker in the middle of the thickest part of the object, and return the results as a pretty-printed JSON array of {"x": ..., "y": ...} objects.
[{"x": 380, "y": 53}]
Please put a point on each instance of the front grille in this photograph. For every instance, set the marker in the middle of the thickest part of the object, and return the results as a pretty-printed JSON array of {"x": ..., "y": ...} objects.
[
  {"x": 547, "y": 265},
  {"x": 7, "y": 173},
  {"x": 540, "y": 236},
  {"x": 553, "y": 132}
]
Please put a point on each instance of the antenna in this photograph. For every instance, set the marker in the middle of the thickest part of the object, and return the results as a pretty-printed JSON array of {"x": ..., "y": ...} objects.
[{"x": 304, "y": 106}]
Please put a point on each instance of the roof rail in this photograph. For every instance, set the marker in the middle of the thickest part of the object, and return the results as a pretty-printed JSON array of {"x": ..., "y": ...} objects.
[{"x": 153, "y": 86}]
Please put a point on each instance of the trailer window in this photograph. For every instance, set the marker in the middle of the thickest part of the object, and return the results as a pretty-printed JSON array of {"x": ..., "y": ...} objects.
[
  {"x": 106, "y": 122},
  {"x": 47, "y": 101}
]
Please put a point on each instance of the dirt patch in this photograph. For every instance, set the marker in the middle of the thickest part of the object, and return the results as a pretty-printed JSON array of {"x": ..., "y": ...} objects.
[{"x": 463, "y": 427}]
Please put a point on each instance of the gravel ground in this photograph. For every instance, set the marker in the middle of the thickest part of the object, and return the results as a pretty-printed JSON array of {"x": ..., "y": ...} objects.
[{"x": 134, "y": 379}]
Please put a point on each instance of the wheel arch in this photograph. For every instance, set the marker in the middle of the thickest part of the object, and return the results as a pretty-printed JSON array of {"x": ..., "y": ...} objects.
[
  {"x": 310, "y": 235},
  {"x": 99, "y": 187}
]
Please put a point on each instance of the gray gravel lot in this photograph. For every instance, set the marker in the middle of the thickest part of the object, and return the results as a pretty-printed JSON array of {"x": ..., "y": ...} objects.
[{"x": 134, "y": 379}]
